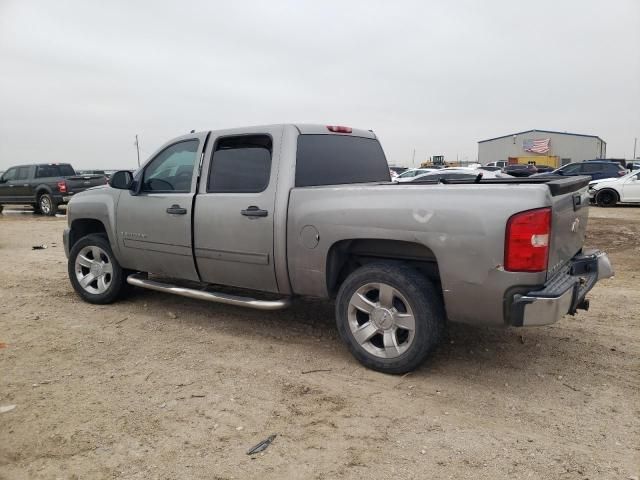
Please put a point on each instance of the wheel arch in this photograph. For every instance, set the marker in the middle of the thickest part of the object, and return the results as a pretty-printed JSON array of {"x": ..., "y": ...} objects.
[
  {"x": 609, "y": 190},
  {"x": 82, "y": 227},
  {"x": 42, "y": 188},
  {"x": 345, "y": 256}
]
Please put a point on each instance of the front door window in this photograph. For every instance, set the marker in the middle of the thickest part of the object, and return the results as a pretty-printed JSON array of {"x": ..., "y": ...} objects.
[{"x": 172, "y": 170}]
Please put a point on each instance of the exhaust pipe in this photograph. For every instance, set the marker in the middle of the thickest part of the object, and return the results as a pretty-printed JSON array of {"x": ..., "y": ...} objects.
[{"x": 139, "y": 280}]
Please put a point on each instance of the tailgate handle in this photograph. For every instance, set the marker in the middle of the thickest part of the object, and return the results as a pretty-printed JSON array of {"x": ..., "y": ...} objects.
[{"x": 577, "y": 202}]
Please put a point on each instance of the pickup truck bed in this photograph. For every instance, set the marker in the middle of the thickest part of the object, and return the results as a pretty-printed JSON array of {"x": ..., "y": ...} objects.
[{"x": 309, "y": 210}]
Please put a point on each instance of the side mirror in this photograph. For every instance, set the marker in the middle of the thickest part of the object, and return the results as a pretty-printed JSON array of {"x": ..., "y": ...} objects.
[{"x": 121, "y": 180}]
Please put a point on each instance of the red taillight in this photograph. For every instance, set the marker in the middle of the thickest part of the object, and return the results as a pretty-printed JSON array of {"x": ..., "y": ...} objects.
[
  {"x": 62, "y": 186},
  {"x": 621, "y": 173},
  {"x": 339, "y": 129},
  {"x": 526, "y": 247}
]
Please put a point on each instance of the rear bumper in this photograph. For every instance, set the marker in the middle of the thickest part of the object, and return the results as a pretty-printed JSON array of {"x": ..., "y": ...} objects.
[{"x": 563, "y": 294}]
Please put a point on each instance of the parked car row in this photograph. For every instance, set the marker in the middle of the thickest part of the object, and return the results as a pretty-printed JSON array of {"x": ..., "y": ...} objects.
[
  {"x": 595, "y": 169},
  {"x": 449, "y": 173},
  {"x": 608, "y": 192}
]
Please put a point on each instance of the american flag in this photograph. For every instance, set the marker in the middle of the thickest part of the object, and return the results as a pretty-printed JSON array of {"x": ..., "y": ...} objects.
[{"x": 537, "y": 146}]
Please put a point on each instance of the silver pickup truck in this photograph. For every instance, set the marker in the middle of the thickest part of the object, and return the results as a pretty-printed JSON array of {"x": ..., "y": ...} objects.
[{"x": 309, "y": 210}]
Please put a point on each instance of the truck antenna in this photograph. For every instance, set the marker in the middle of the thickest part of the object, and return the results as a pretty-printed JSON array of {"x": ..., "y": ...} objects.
[{"x": 137, "y": 144}]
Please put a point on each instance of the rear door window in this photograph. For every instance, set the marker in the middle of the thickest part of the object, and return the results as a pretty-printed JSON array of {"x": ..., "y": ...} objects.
[
  {"x": 339, "y": 159},
  {"x": 575, "y": 168},
  {"x": 593, "y": 167},
  {"x": 46, "y": 171},
  {"x": 23, "y": 173},
  {"x": 240, "y": 164}
]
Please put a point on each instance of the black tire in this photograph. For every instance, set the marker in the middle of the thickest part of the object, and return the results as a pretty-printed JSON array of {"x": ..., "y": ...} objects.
[
  {"x": 118, "y": 285},
  {"x": 606, "y": 198},
  {"x": 46, "y": 205},
  {"x": 423, "y": 301}
]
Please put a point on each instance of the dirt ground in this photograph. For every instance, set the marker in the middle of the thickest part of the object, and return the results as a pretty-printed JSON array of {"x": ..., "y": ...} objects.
[{"x": 165, "y": 387}]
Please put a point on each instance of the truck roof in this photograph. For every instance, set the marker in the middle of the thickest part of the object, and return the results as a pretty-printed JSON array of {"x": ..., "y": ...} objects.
[
  {"x": 317, "y": 129},
  {"x": 303, "y": 128}
]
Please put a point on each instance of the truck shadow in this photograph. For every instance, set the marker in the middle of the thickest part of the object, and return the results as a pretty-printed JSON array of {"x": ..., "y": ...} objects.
[{"x": 468, "y": 352}]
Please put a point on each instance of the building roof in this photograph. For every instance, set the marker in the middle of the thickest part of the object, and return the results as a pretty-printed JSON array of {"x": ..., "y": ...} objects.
[{"x": 542, "y": 131}]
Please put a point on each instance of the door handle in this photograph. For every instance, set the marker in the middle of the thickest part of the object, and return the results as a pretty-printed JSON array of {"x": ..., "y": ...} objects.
[
  {"x": 254, "y": 211},
  {"x": 176, "y": 210}
]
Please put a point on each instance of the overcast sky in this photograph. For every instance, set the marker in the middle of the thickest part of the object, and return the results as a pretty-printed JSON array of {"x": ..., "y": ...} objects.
[{"x": 79, "y": 79}]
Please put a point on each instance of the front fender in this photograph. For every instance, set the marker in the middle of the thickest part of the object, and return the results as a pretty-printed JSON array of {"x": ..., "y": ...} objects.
[{"x": 99, "y": 204}]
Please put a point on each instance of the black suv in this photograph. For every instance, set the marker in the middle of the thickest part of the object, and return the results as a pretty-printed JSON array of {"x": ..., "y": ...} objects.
[{"x": 596, "y": 169}]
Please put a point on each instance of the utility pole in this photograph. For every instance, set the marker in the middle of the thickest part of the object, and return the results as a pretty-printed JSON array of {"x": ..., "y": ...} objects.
[
  {"x": 413, "y": 159},
  {"x": 137, "y": 144},
  {"x": 635, "y": 141}
]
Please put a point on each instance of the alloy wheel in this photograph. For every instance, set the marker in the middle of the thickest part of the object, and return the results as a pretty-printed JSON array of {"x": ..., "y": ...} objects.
[
  {"x": 45, "y": 205},
  {"x": 94, "y": 269},
  {"x": 381, "y": 320}
]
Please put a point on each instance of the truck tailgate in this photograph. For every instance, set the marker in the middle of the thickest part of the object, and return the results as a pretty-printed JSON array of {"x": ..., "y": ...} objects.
[
  {"x": 570, "y": 213},
  {"x": 80, "y": 183}
]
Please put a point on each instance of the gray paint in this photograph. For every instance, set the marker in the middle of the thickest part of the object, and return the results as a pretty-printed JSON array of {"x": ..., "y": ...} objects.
[
  {"x": 462, "y": 225},
  {"x": 575, "y": 147}
]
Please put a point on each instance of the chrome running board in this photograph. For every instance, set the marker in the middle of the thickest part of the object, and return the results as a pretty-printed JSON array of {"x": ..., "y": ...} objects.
[{"x": 139, "y": 280}]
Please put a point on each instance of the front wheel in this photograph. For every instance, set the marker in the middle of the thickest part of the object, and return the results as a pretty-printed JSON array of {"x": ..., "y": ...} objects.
[
  {"x": 606, "y": 198},
  {"x": 94, "y": 272},
  {"x": 390, "y": 316}
]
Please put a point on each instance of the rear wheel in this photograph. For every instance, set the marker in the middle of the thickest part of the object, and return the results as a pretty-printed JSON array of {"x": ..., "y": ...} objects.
[
  {"x": 390, "y": 316},
  {"x": 606, "y": 198},
  {"x": 94, "y": 271},
  {"x": 46, "y": 205}
]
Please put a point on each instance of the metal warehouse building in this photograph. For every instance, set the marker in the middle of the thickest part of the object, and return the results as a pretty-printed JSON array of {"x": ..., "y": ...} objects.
[{"x": 550, "y": 148}]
